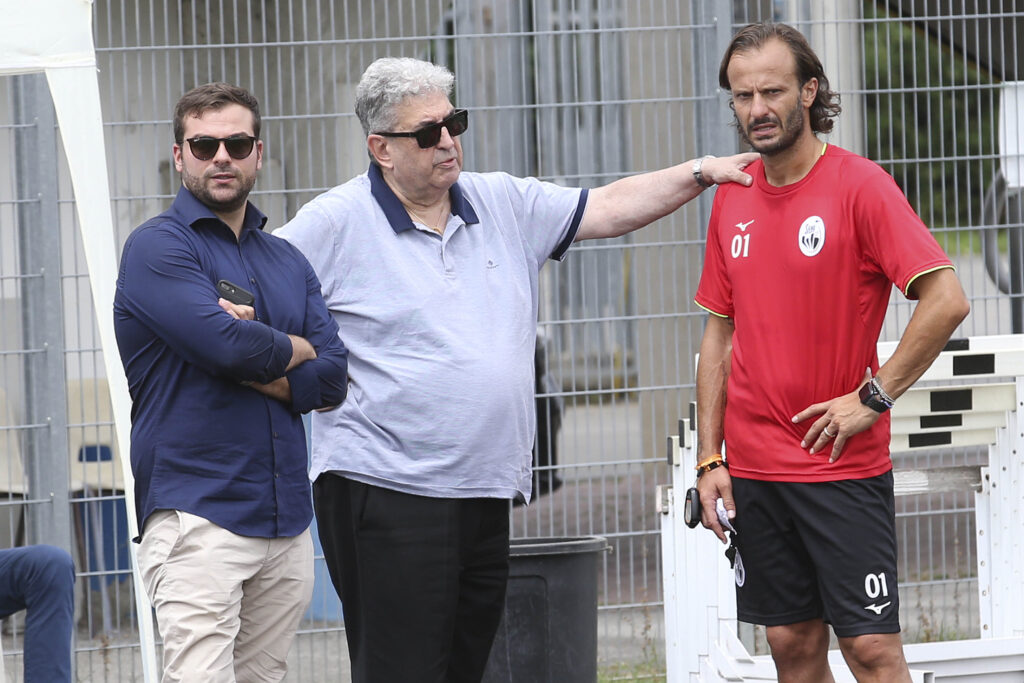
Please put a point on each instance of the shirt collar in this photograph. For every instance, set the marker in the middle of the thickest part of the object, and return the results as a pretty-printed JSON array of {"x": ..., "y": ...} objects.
[
  {"x": 395, "y": 212},
  {"x": 193, "y": 211}
]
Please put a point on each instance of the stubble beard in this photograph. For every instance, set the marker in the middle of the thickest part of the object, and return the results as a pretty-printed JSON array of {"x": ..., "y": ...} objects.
[
  {"x": 790, "y": 132},
  {"x": 199, "y": 187}
]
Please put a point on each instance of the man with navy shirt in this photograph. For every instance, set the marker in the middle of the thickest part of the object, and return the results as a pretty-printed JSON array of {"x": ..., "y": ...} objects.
[
  {"x": 218, "y": 387},
  {"x": 432, "y": 275}
]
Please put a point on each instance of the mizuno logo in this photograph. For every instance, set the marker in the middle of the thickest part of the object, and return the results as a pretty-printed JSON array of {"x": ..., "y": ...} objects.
[
  {"x": 743, "y": 226},
  {"x": 877, "y": 609}
]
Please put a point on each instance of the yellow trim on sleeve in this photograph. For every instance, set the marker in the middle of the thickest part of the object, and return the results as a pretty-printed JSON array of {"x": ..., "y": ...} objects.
[
  {"x": 906, "y": 290},
  {"x": 715, "y": 313}
]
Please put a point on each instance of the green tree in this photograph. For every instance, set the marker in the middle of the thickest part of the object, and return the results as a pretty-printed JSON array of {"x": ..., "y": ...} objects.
[{"x": 931, "y": 119}]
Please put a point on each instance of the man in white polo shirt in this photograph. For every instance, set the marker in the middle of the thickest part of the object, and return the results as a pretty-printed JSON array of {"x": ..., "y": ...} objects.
[{"x": 432, "y": 276}]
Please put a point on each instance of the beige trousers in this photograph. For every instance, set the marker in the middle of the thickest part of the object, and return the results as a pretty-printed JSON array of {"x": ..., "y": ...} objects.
[{"x": 227, "y": 606}]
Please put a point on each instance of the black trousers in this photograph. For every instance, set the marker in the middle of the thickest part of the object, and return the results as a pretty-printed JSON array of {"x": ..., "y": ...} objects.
[{"x": 421, "y": 580}]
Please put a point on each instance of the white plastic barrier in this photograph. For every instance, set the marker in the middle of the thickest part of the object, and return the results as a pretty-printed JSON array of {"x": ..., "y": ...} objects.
[{"x": 957, "y": 403}]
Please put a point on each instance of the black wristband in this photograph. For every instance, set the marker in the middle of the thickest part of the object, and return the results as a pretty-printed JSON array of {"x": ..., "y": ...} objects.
[
  {"x": 872, "y": 398},
  {"x": 714, "y": 464}
]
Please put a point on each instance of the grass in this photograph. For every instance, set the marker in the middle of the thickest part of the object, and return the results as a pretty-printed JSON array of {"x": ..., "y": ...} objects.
[
  {"x": 646, "y": 672},
  {"x": 650, "y": 668},
  {"x": 961, "y": 242}
]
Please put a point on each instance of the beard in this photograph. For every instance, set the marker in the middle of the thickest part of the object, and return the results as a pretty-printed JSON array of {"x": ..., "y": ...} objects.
[
  {"x": 220, "y": 199},
  {"x": 789, "y": 131}
]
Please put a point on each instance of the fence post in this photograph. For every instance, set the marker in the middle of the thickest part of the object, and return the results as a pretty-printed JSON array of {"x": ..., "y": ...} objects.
[
  {"x": 39, "y": 237},
  {"x": 713, "y": 113}
]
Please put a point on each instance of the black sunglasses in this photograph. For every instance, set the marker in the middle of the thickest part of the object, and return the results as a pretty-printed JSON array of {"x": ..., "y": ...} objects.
[
  {"x": 205, "y": 148},
  {"x": 429, "y": 136}
]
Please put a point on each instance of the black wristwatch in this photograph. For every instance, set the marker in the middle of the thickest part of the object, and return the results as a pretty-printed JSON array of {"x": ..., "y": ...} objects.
[{"x": 873, "y": 397}]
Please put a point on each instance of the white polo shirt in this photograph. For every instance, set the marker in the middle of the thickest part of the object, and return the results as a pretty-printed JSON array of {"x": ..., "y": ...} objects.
[{"x": 440, "y": 330}]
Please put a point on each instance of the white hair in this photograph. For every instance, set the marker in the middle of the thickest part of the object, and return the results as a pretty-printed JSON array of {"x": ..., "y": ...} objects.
[{"x": 388, "y": 81}]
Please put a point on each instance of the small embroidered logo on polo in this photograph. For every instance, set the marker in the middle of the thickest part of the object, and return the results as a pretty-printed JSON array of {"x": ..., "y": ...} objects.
[
  {"x": 491, "y": 264},
  {"x": 811, "y": 237}
]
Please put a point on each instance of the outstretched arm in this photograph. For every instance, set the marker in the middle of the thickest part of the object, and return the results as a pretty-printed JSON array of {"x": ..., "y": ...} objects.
[{"x": 636, "y": 201}]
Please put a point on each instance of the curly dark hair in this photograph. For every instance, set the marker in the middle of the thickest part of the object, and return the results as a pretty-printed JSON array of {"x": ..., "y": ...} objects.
[
  {"x": 213, "y": 97},
  {"x": 808, "y": 66}
]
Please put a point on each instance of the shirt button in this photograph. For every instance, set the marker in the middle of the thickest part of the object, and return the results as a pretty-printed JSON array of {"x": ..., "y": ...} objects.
[
  {"x": 275, "y": 435},
  {"x": 252, "y": 280}
]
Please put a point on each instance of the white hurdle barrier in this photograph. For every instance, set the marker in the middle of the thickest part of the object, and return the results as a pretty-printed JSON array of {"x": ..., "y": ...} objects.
[{"x": 973, "y": 395}]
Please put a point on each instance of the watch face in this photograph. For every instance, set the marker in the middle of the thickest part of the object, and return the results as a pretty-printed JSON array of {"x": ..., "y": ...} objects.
[{"x": 869, "y": 397}]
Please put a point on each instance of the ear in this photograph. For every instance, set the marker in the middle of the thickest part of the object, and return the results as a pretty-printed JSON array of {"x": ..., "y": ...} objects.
[
  {"x": 378, "y": 146},
  {"x": 177, "y": 151},
  {"x": 259, "y": 154},
  {"x": 808, "y": 92}
]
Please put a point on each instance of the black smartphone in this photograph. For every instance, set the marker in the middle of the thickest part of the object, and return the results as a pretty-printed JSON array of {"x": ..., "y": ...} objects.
[{"x": 235, "y": 294}]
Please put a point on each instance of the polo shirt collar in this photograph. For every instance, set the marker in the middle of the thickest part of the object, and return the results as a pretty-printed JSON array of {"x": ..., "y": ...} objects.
[
  {"x": 193, "y": 211},
  {"x": 395, "y": 212}
]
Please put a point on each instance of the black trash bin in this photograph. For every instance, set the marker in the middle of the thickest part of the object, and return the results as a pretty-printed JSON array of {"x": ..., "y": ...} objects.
[{"x": 548, "y": 633}]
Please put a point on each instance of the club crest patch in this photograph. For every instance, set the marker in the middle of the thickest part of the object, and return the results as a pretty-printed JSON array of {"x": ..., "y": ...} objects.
[{"x": 812, "y": 236}]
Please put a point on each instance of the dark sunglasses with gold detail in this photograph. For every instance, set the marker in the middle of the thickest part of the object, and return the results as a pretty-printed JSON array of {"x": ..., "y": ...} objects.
[
  {"x": 428, "y": 136},
  {"x": 205, "y": 148}
]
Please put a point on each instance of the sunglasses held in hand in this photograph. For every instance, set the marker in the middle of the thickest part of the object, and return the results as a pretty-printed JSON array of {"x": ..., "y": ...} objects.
[
  {"x": 428, "y": 136},
  {"x": 205, "y": 148}
]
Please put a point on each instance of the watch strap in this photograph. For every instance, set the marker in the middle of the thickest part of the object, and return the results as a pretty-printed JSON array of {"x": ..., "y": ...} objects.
[
  {"x": 713, "y": 465},
  {"x": 871, "y": 397}
]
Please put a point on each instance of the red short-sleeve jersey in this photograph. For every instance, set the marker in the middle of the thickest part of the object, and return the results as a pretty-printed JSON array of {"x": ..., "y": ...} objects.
[{"x": 805, "y": 273}]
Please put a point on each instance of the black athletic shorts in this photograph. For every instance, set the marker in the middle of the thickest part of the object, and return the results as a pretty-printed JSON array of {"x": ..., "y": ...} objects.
[{"x": 818, "y": 550}]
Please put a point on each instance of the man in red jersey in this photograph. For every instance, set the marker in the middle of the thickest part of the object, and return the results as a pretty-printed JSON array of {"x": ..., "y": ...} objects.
[{"x": 797, "y": 277}]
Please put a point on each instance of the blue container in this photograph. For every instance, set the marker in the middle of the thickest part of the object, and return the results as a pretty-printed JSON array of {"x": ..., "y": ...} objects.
[
  {"x": 325, "y": 605},
  {"x": 104, "y": 527}
]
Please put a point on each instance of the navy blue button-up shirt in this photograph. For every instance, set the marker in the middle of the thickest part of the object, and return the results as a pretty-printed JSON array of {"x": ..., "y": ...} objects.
[{"x": 202, "y": 441}]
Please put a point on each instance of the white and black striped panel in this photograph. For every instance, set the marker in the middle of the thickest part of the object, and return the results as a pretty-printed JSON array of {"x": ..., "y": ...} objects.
[
  {"x": 937, "y": 401},
  {"x": 948, "y": 422},
  {"x": 993, "y": 356},
  {"x": 938, "y": 417},
  {"x": 901, "y": 443},
  {"x": 688, "y": 436},
  {"x": 676, "y": 444},
  {"x": 674, "y": 456}
]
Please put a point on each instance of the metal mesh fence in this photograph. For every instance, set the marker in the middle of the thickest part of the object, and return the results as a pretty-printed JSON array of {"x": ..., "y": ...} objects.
[{"x": 580, "y": 92}]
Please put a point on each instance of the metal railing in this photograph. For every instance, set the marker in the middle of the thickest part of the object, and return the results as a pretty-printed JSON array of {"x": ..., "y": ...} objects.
[{"x": 577, "y": 91}]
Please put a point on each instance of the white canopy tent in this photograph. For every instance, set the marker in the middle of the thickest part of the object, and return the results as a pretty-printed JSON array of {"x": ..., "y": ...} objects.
[{"x": 55, "y": 37}]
